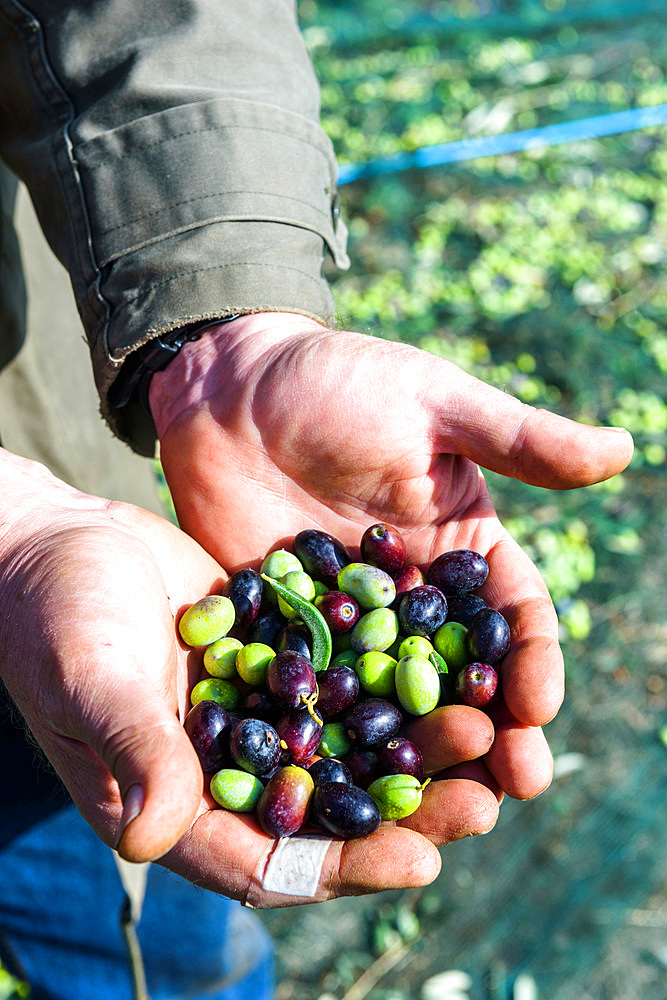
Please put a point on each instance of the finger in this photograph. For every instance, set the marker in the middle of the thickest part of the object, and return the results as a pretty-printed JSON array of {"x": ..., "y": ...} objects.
[
  {"x": 451, "y": 734},
  {"x": 454, "y": 808},
  {"x": 498, "y": 432},
  {"x": 475, "y": 770},
  {"x": 133, "y": 775},
  {"x": 520, "y": 759},
  {"x": 229, "y": 854},
  {"x": 532, "y": 673}
]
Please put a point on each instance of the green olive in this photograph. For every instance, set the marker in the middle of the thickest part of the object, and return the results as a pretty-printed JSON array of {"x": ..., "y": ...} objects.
[
  {"x": 216, "y": 689},
  {"x": 280, "y": 562},
  {"x": 238, "y": 791},
  {"x": 346, "y": 658},
  {"x": 397, "y": 795},
  {"x": 334, "y": 742},
  {"x": 370, "y": 586},
  {"x": 451, "y": 641},
  {"x": 206, "y": 621},
  {"x": 220, "y": 657},
  {"x": 415, "y": 644},
  {"x": 253, "y": 661},
  {"x": 299, "y": 583},
  {"x": 375, "y": 671},
  {"x": 417, "y": 684},
  {"x": 376, "y": 629}
]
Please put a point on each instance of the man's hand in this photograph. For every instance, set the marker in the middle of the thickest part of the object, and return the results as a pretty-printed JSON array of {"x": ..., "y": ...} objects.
[
  {"x": 272, "y": 423},
  {"x": 90, "y": 594}
]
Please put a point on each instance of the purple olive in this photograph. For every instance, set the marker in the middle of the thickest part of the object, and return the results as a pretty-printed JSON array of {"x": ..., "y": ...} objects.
[
  {"x": 339, "y": 610},
  {"x": 207, "y": 724},
  {"x": 400, "y": 756},
  {"x": 345, "y": 810},
  {"x": 383, "y": 546},
  {"x": 300, "y": 734},
  {"x": 462, "y": 608},
  {"x": 489, "y": 636},
  {"x": 477, "y": 685},
  {"x": 329, "y": 769},
  {"x": 297, "y": 637},
  {"x": 363, "y": 766},
  {"x": 404, "y": 580},
  {"x": 422, "y": 611},
  {"x": 321, "y": 555},
  {"x": 266, "y": 628},
  {"x": 338, "y": 689},
  {"x": 244, "y": 589},
  {"x": 290, "y": 679},
  {"x": 458, "y": 571},
  {"x": 372, "y": 721},
  {"x": 255, "y": 746},
  {"x": 284, "y": 804}
]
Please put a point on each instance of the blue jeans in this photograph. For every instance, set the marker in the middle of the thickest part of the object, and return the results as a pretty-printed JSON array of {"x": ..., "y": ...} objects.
[{"x": 60, "y": 900}]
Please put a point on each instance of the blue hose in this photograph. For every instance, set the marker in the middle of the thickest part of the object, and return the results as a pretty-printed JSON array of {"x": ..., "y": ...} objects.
[{"x": 507, "y": 142}]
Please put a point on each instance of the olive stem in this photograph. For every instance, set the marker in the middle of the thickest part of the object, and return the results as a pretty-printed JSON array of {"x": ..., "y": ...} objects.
[{"x": 309, "y": 701}]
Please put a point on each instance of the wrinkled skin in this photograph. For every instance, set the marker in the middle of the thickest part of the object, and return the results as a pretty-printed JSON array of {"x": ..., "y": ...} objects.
[
  {"x": 91, "y": 592},
  {"x": 273, "y": 423},
  {"x": 268, "y": 425}
]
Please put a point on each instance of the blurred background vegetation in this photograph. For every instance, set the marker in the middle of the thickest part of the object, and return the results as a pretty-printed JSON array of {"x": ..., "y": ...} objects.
[{"x": 544, "y": 274}]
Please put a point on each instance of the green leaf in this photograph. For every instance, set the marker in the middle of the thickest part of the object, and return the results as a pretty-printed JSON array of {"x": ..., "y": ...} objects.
[{"x": 322, "y": 642}]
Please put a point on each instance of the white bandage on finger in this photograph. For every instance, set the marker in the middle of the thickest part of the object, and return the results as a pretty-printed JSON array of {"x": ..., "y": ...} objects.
[{"x": 291, "y": 871}]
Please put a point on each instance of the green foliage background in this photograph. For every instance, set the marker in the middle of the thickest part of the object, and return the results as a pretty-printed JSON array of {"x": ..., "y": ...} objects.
[{"x": 543, "y": 272}]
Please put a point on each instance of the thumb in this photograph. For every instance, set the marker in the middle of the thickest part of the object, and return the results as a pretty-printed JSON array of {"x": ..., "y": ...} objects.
[
  {"x": 132, "y": 772},
  {"x": 500, "y": 433}
]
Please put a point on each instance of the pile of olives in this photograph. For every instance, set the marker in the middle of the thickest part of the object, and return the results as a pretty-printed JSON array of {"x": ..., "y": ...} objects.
[{"x": 313, "y": 664}]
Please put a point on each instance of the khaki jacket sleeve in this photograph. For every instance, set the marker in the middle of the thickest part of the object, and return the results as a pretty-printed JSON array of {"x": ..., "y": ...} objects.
[{"x": 173, "y": 151}]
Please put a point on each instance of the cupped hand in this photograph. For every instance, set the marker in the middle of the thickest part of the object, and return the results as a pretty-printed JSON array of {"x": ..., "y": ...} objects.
[
  {"x": 90, "y": 596},
  {"x": 273, "y": 423}
]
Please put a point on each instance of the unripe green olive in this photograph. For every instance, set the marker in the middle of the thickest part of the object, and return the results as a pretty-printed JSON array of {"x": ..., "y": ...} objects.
[
  {"x": 452, "y": 642},
  {"x": 253, "y": 661},
  {"x": 280, "y": 562},
  {"x": 415, "y": 644},
  {"x": 346, "y": 658},
  {"x": 216, "y": 689},
  {"x": 299, "y": 582},
  {"x": 376, "y": 630},
  {"x": 206, "y": 621},
  {"x": 333, "y": 741},
  {"x": 369, "y": 586},
  {"x": 220, "y": 657},
  {"x": 238, "y": 791},
  {"x": 417, "y": 684},
  {"x": 397, "y": 795},
  {"x": 375, "y": 671}
]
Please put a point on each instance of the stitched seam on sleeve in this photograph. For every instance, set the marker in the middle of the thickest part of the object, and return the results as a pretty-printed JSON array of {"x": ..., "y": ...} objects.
[
  {"x": 37, "y": 54},
  {"x": 213, "y": 267},
  {"x": 212, "y": 128},
  {"x": 204, "y": 197}
]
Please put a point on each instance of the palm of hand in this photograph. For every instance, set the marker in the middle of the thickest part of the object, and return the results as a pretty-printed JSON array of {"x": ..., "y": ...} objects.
[
  {"x": 303, "y": 440},
  {"x": 336, "y": 431},
  {"x": 104, "y": 683},
  {"x": 100, "y": 670},
  {"x": 273, "y": 424}
]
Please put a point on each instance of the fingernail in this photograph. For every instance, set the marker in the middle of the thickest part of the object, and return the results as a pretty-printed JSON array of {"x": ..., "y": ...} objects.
[{"x": 132, "y": 806}]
